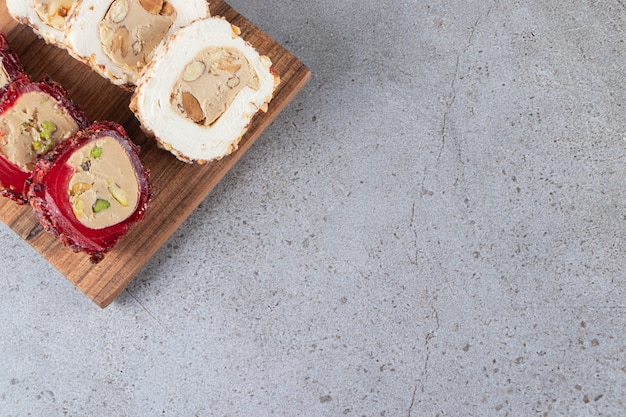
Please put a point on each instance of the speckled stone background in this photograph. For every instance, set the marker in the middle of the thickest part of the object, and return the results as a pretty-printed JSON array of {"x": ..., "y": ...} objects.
[{"x": 436, "y": 226}]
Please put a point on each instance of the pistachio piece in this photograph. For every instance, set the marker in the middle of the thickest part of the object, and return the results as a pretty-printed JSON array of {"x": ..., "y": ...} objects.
[
  {"x": 100, "y": 205},
  {"x": 193, "y": 71},
  {"x": 78, "y": 207},
  {"x": 96, "y": 152},
  {"x": 47, "y": 128},
  {"x": 118, "y": 193},
  {"x": 121, "y": 41},
  {"x": 152, "y": 6},
  {"x": 167, "y": 9},
  {"x": 119, "y": 10},
  {"x": 27, "y": 125},
  {"x": 192, "y": 107},
  {"x": 41, "y": 147},
  {"x": 79, "y": 188}
]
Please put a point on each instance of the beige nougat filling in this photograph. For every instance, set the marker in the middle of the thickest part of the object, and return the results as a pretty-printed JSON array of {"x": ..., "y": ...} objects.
[
  {"x": 53, "y": 12},
  {"x": 131, "y": 29},
  {"x": 104, "y": 190},
  {"x": 32, "y": 126},
  {"x": 209, "y": 84}
]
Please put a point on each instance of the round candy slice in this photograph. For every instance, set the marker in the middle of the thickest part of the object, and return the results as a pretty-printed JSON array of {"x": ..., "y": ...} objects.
[
  {"x": 91, "y": 189},
  {"x": 201, "y": 90},
  {"x": 10, "y": 66},
  {"x": 117, "y": 38},
  {"x": 48, "y": 18},
  {"x": 34, "y": 118}
]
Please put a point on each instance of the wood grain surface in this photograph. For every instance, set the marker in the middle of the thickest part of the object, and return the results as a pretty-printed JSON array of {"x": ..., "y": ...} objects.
[{"x": 179, "y": 187}]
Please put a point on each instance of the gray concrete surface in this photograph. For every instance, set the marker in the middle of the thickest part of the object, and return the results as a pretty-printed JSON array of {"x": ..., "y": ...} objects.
[{"x": 435, "y": 227}]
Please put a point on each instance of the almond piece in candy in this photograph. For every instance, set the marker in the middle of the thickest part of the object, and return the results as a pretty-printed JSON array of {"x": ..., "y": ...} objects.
[
  {"x": 152, "y": 6},
  {"x": 192, "y": 107},
  {"x": 193, "y": 71},
  {"x": 167, "y": 9},
  {"x": 121, "y": 41},
  {"x": 119, "y": 10}
]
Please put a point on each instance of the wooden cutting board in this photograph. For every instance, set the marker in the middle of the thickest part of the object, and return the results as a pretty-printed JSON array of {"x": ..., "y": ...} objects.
[{"x": 179, "y": 187}]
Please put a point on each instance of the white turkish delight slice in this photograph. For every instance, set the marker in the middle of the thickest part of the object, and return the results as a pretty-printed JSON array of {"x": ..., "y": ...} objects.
[
  {"x": 48, "y": 18},
  {"x": 117, "y": 38},
  {"x": 200, "y": 92}
]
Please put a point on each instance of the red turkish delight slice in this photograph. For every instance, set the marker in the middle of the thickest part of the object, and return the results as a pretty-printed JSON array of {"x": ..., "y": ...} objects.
[
  {"x": 34, "y": 118},
  {"x": 90, "y": 189},
  {"x": 10, "y": 65}
]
